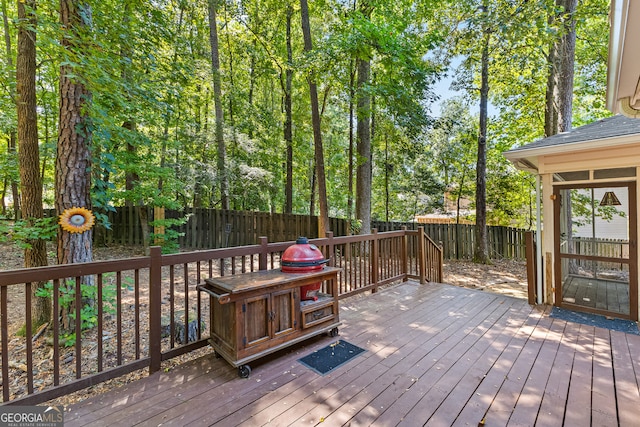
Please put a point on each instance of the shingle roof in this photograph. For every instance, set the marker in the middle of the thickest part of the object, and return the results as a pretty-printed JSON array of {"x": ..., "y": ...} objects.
[{"x": 610, "y": 127}]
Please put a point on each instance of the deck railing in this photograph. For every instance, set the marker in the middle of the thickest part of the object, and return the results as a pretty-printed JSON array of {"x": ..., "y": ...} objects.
[{"x": 147, "y": 310}]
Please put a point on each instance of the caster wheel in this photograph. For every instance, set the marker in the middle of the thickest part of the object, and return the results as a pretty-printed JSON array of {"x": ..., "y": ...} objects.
[
  {"x": 244, "y": 371},
  {"x": 333, "y": 332}
]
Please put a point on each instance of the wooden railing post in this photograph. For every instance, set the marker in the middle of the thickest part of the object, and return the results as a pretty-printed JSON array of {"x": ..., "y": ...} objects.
[
  {"x": 441, "y": 264},
  {"x": 262, "y": 257},
  {"x": 405, "y": 254},
  {"x": 4, "y": 322},
  {"x": 422, "y": 259},
  {"x": 531, "y": 267},
  {"x": 155, "y": 309},
  {"x": 330, "y": 249},
  {"x": 374, "y": 259}
]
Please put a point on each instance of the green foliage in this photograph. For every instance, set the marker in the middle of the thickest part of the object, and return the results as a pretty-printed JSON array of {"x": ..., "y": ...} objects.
[
  {"x": 22, "y": 232},
  {"x": 89, "y": 309},
  {"x": 148, "y": 67},
  {"x": 168, "y": 240}
]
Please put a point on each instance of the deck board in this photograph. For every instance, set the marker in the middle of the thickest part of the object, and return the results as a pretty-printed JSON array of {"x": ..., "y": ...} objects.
[
  {"x": 464, "y": 389},
  {"x": 554, "y": 399},
  {"x": 604, "y": 393},
  {"x": 578, "y": 409},
  {"x": 435, "y": 355},
  {"x": 627, "y": 394},
  {"x": 451, "y": 371},
  {"x": 599, "y": 294}
]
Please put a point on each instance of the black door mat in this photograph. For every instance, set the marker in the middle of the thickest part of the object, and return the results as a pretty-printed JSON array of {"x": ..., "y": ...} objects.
[
  {"x": 621, "y": 325},
  {"x": 330, "y": 357}
]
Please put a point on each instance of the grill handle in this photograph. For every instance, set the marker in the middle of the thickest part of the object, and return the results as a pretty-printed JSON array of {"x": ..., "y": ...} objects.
[
  {"x": 222, "y": 298},
  {"x": 313, "y": 263}
]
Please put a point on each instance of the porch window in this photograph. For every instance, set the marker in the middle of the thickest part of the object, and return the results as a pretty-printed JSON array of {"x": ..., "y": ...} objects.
[
  {"x": 571, "y": 176},
  {"x": 614, "y": 173}
]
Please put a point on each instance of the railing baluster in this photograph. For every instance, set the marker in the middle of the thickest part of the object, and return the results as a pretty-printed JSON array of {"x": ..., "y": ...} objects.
[
  {"x": 198, "y": 305},
  {"x": 4, "y": 325},
  {"x": 136, "y": 275},
  {"x": 119, "y": 317},
  {"x": 56, "y": 332},
  {"x": 100, "y": 325},
  {"x": 186, "y": 303},
  {"x": 28, "y": 334},
  {"x": 172, "y": 306},
  {"x": 78, "y": 325}
]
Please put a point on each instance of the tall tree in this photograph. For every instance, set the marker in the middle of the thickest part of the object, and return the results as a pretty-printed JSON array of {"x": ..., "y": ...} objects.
[
  {"x": 35, "y": 254},
  {"x": 559, "y": 97},
  {"x": 350, "y": 150},
  {"x": 288, "y": 120},
  {"x": 317, "y": 130},
  {"x": 217, "y": 100},
  {"x": 11, "y": 141},
  {"x": 481, "y": 250},
  {"x": 73, "y": 160},
  {"x": 363, "y": 132}
]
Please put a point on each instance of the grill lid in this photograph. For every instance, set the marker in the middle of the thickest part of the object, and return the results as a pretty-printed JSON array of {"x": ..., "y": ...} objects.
[{"x": 302, "y": 255}]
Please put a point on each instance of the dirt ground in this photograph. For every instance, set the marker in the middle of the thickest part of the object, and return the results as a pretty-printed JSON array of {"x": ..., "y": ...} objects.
[{"x": 503, "y": 276}]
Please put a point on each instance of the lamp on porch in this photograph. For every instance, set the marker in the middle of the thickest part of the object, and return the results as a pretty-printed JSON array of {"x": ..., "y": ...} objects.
[{"x": 610, "y": 199}]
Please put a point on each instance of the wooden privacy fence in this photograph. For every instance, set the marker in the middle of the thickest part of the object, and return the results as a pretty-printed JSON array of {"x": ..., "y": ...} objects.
[
  {"x": 215, "y": 228},
  {"x": 458, "y": 240},
  {"x": 147, "y": 309},
  {"x": 609, "y": 248}
]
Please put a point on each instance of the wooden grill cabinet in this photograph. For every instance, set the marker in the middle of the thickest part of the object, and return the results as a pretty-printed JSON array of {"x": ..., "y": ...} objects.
[{"x": 258, "y": 313}]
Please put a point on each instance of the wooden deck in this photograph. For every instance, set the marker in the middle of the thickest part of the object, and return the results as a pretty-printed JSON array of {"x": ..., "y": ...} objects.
[
  {"x": 601, "y": 294},
  {"x": 436, "y": 355}
]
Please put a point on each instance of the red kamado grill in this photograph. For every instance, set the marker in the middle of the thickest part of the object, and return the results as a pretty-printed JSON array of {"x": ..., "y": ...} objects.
[{"x": 304, "y": 257}]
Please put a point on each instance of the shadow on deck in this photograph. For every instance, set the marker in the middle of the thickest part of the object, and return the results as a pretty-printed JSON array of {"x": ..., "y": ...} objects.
[{"x": 435, "y": 355}]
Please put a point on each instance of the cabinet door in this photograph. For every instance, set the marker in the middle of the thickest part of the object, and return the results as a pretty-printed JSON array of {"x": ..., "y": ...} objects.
[
  {"x": 257, "y": 319},
  {"x": 283, "y": 311}
]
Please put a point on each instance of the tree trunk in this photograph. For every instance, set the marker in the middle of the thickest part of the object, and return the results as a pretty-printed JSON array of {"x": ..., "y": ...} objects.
[
  {"x": 550, "y": 113},
  {"x": 15, "y": 186},
  {"x": 288, "y": 121},
  {"x": 387, "y": 173},
  {"x": 11, "y": 146},
  {"x": 29, "y": 155},
  {"x": 317, "y": 132},
  {"x": 363, "y": 146},
  {"x": 352, "y": 97},
  {"x": 232, "y": 91},
  {"x": 5, "y": 184},
  {"x": 217, "y": 99},
  {"x": 131, "y": 177},
  {"x": 561, "y": 59},
  {"x": 566, "y": 65},
  {"x": 559, "y": 96},
  {"x": 481, "y": 252},
  {"x": 73, "y": 161}
]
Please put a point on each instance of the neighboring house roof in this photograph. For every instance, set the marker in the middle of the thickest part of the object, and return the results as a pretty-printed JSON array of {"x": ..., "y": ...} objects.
[{"x": 617, "y": 130}]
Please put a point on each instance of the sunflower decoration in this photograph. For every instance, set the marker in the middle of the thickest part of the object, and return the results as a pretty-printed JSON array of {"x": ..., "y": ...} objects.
[{"x": 76, "y": 220}]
